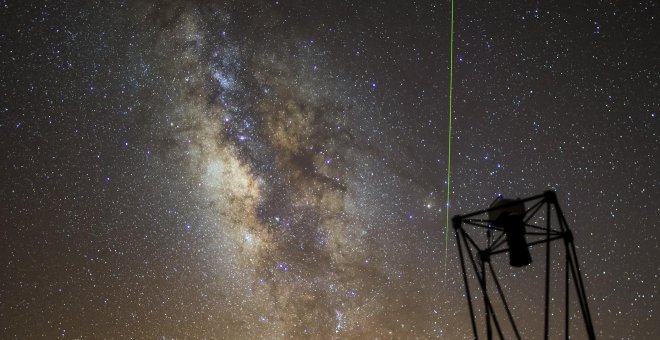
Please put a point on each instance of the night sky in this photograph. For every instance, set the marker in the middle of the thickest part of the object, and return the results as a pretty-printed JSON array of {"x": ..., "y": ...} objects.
[{"x": 277, "y": 169}]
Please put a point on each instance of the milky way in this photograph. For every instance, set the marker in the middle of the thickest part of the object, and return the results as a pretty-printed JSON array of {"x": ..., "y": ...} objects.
[
  {"x": 277, "y": 169},
  {"x": 274, "y": 166}
]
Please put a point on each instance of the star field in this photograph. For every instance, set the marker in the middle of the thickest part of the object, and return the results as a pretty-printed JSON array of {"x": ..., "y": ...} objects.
[{"x": 277, "y": 169}]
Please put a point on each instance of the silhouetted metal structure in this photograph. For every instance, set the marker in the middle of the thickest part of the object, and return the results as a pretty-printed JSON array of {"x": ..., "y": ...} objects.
[{"x": 511, "y": 228}]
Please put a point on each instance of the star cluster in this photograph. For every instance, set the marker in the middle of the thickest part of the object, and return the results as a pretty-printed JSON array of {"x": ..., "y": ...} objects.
[{"x": 277, "y": 169}]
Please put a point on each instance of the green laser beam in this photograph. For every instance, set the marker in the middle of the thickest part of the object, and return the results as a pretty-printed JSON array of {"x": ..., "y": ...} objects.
[{"x": 451, "y": 90}]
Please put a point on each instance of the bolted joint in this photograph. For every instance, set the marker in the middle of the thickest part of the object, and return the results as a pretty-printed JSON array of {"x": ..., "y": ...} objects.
[{"x": 550, "y": 196}]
